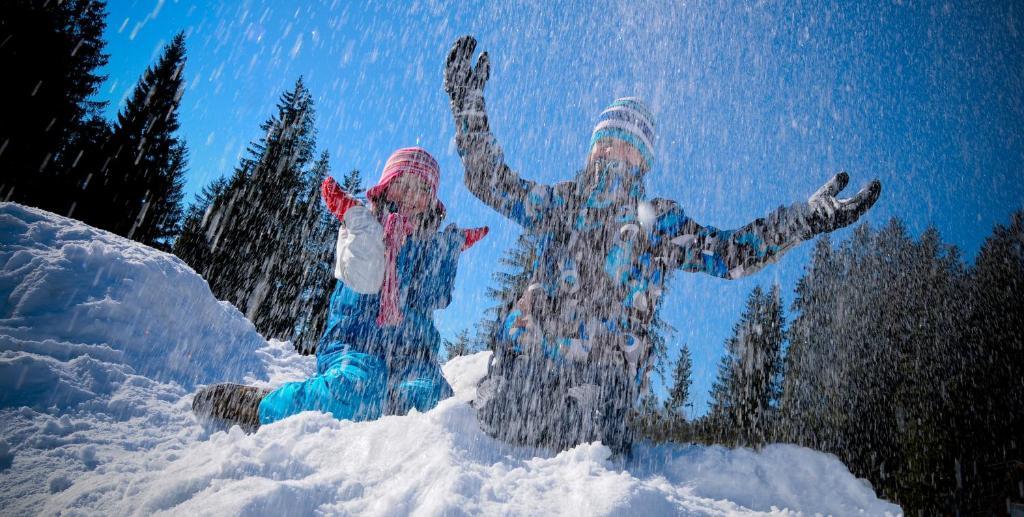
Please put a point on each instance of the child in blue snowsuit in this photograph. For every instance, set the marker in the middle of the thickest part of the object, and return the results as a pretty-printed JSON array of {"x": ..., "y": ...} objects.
[
  {"x": 378, "y": 353},
  {"x": 576, "y": 347}
]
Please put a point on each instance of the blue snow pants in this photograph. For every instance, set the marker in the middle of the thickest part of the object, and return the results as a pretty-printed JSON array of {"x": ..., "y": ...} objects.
[{"x": 358, "y": 386}]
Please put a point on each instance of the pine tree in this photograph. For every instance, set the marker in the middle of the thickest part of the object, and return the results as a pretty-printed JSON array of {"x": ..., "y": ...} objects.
[
  {"x": 267, "y": 231},
  {"x": 989, "y": 463},
  {"x": 649, "y": 403},
  {"x": 878, "y": 361},
  {"x": 192, "y": 245},
  {"x": 508, "y": 285},
  {"x": 137, "y": 190},
  {"x": 659, "y": 332},
  {"x": 463, "y": 345},
  {"x": 719, "y": 420},
  {"x": 80, "y": 179},
  {"x": 264, "y": 214},
  {"x": 652, "y": 420},
  {"x": 166, "y": 209},
  {"x": 207, "y": 222},
  {"x": 51, "y": 53},
  {"x": 650, "y": 415},
  {"x": 745, "y": 395},
  {"x": 316, "y": 235},
  {"x": 838, "y": 369},
  {"x": 352, "y": 183},
  {"x": 679, "y": 395},
  {"x": 812, "y": 368}
]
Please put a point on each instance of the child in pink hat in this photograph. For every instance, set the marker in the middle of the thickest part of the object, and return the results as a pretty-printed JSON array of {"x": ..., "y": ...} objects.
[{"x": 378, "y": 354}]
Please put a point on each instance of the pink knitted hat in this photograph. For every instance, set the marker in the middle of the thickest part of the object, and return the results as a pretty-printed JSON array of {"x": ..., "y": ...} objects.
[{"x": 410, "y": 160}]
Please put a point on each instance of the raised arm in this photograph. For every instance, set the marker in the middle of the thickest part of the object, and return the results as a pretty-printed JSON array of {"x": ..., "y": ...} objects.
[
  {"x": 359, "y": 255},
  {"x": 488, "y": 177},
  {"x": 690, "y": 246}
]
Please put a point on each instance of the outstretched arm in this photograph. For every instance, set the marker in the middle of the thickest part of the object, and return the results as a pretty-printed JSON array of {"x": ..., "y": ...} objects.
[
  {"x": 488, "y": 177},
  {"x": 692, "y": 247},
  {"x": 452, "y": 242},
  {"x": 359, "y": 254}
]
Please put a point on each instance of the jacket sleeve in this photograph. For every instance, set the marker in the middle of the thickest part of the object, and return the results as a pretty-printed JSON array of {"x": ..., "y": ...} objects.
[
  {"x": 488, "y": 177},
  {"x": 450, "y": 242},
  {"x": 685, "y": 244},
  {"x": 446, "y": 281},
  {"x": 359, "y": 257}
]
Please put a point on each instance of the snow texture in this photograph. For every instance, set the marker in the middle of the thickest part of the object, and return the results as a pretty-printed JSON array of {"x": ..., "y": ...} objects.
[{"x": 102, "y": 342}]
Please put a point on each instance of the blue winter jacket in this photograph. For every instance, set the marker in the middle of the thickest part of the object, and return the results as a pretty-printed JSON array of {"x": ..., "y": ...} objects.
[{"x": 426, "y": 270}]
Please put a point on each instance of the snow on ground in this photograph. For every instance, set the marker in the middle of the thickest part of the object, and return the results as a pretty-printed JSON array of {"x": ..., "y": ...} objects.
[{"x": 102, "y": 341}]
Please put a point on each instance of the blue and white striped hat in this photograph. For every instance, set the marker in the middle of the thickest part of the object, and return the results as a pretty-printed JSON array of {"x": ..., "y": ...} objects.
[{"x": 630, "y": 121}]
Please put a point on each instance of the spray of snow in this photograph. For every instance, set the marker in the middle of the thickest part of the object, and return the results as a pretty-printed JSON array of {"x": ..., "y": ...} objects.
[{"x": 102, "y": 342}]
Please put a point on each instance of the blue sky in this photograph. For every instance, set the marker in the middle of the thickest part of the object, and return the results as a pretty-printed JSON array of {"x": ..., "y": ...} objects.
[{"x": 757, "y": 105}]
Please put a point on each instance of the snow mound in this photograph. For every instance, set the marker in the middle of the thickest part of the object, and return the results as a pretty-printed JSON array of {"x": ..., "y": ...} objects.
[
  {"x": 102, "y": 341},
  {"x": 74, "y": 296}
]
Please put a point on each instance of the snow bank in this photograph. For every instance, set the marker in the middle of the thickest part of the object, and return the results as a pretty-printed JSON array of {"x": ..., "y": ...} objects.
[
  {"x": 102, "y": 341},
  {"x": 71, "y": 291}
]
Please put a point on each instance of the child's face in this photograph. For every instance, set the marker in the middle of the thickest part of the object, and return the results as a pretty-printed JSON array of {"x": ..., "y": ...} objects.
[
  {"x": 410, "y": 194},
  {"x": 615, "y": 149}
]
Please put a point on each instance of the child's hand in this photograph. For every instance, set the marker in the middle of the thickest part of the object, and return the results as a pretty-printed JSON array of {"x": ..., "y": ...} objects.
[
  {"x": 464, "y": 237},
  {"x": 338, "y": 201},
  {"x": 462, "y": 80},
  {"x": 825, "y": 212},
  {"x": 471, "y": 236}
]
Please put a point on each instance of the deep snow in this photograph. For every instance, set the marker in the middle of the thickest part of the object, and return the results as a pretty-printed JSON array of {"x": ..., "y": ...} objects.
[{"x": 102, "y": 342}]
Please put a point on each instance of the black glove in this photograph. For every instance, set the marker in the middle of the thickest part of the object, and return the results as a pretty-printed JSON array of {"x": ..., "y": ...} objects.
[
  {"x": 463, "y": 82},
  {"x": 824, "y": 213}
]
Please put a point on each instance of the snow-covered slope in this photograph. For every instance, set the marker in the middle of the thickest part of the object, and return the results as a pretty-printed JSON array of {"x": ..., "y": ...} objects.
[{"x": 102, "y": 341}]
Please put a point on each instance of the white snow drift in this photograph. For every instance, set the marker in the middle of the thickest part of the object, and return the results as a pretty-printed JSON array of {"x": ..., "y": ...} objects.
[{"x": 102, "y": 341}]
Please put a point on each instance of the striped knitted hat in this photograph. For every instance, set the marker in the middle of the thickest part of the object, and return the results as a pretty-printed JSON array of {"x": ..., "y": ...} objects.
[
  {"x": 410, "y": 160},
  {"x": 627, "y": 119}
]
